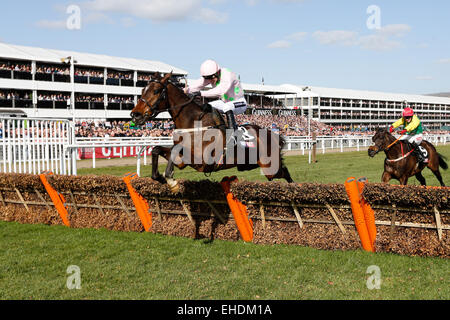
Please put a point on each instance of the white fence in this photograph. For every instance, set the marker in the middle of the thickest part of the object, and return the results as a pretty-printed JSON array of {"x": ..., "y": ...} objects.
[
  {"x": 140, "y": 145},
  {"x": 35, "y": 145},
  {"x": 346, "y": 143}
]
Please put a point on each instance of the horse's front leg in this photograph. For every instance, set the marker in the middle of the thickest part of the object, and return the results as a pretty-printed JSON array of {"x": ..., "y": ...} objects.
[
  {"x": 158, "y": 151},
  {"x": 386, "y": 177},
  {"x": 174, "y": 159},
  {"x": 404, "y": 180}
]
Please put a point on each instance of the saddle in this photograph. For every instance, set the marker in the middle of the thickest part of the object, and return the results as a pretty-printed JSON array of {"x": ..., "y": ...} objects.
[
  {"x": 208, "y": 109},
  {"x": 420, "y": 152},
  {"x": 242, "y": 132}
]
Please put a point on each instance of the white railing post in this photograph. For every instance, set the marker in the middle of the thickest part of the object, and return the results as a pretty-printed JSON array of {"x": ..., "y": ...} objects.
[{"x": 93, "y": 158}]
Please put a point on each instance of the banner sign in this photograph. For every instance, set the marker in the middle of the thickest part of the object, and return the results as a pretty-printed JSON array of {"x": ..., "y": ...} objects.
[
  {"x": 111, "y": 153},
  {"x": 274, "y": 112},
  {"x": 261, "y": 112},
  {"x": 288, "y": 112}
]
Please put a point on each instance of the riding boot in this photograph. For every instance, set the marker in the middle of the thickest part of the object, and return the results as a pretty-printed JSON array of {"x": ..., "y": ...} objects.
[
  {"x": 232, "y": 125},
  {"x": 418, "y": 153},
  {"x": 231, "y": 121},
  {"x": 422, "y": 154}
]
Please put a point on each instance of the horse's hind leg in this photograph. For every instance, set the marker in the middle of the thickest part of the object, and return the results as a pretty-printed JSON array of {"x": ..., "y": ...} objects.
[
  {"x": 283, "y": 173},
  {"x": 421, "y": 179},
  {"x": 287, "y": 175},
  {"x": 437, "y": 173}
]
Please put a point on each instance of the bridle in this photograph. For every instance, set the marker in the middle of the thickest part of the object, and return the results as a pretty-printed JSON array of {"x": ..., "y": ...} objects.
[
  {"x": 388, "y": 147},
  {"x": 153, "y": 110}
]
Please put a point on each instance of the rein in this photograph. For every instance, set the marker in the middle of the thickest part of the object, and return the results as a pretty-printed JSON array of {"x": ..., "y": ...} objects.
[
  {"x": 389, "y": 146},
  {"x": 403, "y": 153}
]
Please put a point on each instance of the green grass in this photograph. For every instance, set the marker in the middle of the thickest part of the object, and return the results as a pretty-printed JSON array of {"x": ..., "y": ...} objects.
[
  {"x": 116, "y": 265},
  {"x": 330, "y": 168}
]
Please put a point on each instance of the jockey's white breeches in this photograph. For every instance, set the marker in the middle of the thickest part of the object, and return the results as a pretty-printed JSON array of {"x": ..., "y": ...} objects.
[
  {"x": 238, "y": 106},
  {"x": 416, "y": 139}
]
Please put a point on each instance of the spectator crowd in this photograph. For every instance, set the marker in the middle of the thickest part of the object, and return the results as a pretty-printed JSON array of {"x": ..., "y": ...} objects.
[
  {"x": 120, "y": 75},
  {"x": 103, "y": 129},
  {"x": 89, "y": 73},
  {"x": 14, "y": 95},
  {"x": 19, "y": 67},
  {"x": 53, "y": 70},
  {"x": 287, "y": 126},
  {"x": 53, "y": 97}
]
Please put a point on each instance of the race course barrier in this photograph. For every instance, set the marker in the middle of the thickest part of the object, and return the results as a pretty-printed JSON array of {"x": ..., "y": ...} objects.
[
  {"x": 409, "y": 220},
  {"x": 359, "y": 215},
  {"x": 239, "y": 211}
]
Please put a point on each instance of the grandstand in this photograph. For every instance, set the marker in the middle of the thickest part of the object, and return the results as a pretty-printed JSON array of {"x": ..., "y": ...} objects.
[
  {"x": 44, "y": 83},
  {"x": 41, "y": 83},
  {"x": 350, "y": 108}
]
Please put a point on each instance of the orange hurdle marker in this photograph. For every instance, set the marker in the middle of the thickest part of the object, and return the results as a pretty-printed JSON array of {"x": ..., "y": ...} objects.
[
  {"x": 141, "y": 205},
  {"x": 351, "y": 186},
  {"x": 57, "y": 198},
  {"x": 369, "y": 214},
  {"x": 239, "y": 211}
]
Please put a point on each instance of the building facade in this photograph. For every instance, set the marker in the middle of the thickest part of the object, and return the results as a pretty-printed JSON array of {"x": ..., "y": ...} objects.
[
  {"x": 353, "y": 108},
  {"x": 46, "y": 83}
]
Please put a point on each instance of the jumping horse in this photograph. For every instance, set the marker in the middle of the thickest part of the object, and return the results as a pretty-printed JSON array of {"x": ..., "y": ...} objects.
[
  {"x": 162, "y": 95},
  {"x": 400, "y": 163}
]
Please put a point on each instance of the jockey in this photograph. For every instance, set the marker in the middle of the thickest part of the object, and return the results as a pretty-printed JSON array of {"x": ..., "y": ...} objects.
[
  {"x": 225, "y": 86},
  {"x": 412, "y": 132}
]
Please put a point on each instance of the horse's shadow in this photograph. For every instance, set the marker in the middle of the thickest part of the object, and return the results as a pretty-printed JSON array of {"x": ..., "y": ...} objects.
[{"x": 219, "y": 218}]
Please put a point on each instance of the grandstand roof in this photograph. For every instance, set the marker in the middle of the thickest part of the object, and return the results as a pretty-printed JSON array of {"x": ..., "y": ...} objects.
[
  {"x": 268, "y": 89},
  {"x": 374, "y": 95},
  {"x": 271, "y": 90},
  {"x": 85, "y": 59}
]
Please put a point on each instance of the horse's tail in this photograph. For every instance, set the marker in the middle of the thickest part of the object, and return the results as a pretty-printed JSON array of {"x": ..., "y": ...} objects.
[
  {"x": 282, "y": 142},
  {"x": 442, "y": 161}
]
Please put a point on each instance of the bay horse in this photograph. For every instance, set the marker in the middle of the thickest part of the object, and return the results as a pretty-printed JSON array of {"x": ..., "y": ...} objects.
[
  {"x": 162, "y": 95},
  {"x": 400, "y": 163}
]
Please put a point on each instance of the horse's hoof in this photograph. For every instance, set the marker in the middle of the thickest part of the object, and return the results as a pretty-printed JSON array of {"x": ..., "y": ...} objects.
[{"x": 173, "y": 185}]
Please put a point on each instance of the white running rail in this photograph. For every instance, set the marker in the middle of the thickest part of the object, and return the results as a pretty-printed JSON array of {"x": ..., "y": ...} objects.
[
  {"x": 32, "y": 146},
  {"x": 35, "y": 145}
]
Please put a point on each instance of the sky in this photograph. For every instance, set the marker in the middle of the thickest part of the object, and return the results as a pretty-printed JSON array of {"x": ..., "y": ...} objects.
[{"x": 394, "y": 46}]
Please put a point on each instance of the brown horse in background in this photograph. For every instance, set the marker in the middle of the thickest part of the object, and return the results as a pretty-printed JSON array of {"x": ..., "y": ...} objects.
[
  {"x": 161, "y": 95},
  {"x": 400, "y": 163}
]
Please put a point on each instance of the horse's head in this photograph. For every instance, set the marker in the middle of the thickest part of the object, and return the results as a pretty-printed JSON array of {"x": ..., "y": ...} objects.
[
  {"x": 381, "y": 139},
  {"x": 153, "y": 101}
]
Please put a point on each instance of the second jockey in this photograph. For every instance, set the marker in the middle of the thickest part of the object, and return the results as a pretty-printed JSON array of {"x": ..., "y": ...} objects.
[
  {"x": 412, "y": 132},
  {"x": 226, "y": 87}
]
